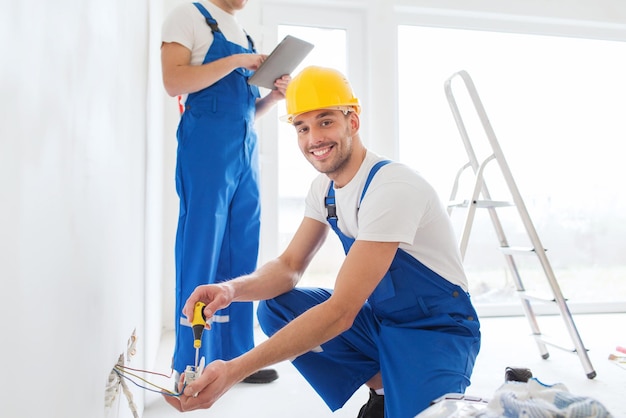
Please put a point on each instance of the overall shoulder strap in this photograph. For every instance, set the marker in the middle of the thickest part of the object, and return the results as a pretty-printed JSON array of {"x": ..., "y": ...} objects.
[
  {"x": 371, "y": 175},
  {"x": 209, "y": 19},
  {"x": 250, "y": 43},
  {"x": 329, "y": 200}
]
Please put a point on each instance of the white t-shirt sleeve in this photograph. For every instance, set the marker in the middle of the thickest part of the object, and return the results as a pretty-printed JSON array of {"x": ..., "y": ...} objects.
[
  {"x": 177, "y": 27},
  {"x": 314, "y": 202},
  {"x": 185, "y": 25}
]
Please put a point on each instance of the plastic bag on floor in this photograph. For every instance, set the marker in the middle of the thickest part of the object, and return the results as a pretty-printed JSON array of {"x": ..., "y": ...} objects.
[
  {"x": 531, "y": 399},
  {"x": 536, "y": 399}
]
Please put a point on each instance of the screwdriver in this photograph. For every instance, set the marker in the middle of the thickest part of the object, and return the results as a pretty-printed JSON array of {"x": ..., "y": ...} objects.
[{"x": 197, "y": 324}]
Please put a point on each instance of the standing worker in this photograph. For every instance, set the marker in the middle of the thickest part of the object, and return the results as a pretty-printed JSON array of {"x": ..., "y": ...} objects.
[
  {"x": 399, "y": 319},
  {"x": 208, "y": 57}
]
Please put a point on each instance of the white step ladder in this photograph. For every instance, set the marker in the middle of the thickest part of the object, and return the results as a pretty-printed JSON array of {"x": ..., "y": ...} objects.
[{"x": 481, "y": 199}]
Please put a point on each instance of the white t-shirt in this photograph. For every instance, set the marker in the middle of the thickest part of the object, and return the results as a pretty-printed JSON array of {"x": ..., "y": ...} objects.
[
  {"x": 188, "y": 27},
  {"x": 399, "y": 206}
]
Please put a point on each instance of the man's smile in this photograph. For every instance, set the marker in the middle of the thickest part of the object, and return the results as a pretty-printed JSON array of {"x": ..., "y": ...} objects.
[{"x": 320, "y": 153}]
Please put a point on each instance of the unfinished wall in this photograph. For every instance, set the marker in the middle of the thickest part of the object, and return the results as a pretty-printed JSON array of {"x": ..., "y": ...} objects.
[{"x": 75, "y": 218}]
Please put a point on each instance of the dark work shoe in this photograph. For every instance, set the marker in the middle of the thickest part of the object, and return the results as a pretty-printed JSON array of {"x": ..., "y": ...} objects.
[
  {"x": 374, "y": 408},
  {"x": 262, "y": 376},
  {"x": 517, "y": 374}
]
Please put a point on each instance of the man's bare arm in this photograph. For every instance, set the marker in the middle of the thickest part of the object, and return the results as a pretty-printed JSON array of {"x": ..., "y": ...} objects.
[
  {"x": 364, "y": 267},
  {"x": 282, "y": 274},
  {"x": 180, "y": 77},
  {"x": 272, "y": 279}
]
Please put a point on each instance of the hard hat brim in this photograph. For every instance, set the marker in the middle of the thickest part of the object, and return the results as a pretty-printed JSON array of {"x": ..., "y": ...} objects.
[{"x": 348, "y": 108}]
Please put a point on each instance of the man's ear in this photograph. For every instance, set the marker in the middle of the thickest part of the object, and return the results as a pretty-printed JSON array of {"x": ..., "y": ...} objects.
[{"x": 355, "y": 121}]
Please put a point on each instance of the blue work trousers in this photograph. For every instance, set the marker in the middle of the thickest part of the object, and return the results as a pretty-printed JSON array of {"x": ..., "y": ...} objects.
[{"x": 423, "y": 337}]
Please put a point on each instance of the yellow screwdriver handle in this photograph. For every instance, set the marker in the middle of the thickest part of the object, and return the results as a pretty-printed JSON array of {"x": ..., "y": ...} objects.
[
  {"x": 198, "y": 314},
  {"x": 197, "y": 323}
]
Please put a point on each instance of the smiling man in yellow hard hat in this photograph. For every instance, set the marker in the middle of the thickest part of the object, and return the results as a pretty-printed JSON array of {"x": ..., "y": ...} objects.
[{"x": 399, "y": 318}]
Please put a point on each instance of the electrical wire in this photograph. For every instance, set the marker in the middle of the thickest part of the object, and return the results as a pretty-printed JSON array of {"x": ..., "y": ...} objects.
[
  {"x": 123, "y": 373},
  {"x": 147, "y": 371}
]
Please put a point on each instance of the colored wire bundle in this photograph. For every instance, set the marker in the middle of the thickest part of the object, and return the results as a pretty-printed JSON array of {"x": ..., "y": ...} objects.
[{"x": 125, "y": 372}]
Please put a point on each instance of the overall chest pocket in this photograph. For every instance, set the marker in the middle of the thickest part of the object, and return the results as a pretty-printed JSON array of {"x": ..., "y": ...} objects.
[{"x": 397, "y": 299}]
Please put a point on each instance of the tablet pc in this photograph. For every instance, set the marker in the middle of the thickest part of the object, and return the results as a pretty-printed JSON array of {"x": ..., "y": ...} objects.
[{"x": 282, "y": 60}]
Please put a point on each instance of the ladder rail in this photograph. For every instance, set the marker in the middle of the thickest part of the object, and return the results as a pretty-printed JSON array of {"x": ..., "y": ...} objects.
[
  {"x": 464, "y": 241},
  {"x": 506, "y": 171},
  {"x": 473, "y": 160},
  {"x": 480, "y": 187},
  {"x": 471, "y": 212},
  {"x": 495, "y": 220},
  {"x": 455, "y": 186}
]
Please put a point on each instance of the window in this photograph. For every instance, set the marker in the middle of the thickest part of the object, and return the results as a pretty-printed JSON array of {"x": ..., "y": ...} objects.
[
  {"x": 556, "y": 105},
  {"x": 285, "y": 174},
  {"x": 295, "y": 173}
]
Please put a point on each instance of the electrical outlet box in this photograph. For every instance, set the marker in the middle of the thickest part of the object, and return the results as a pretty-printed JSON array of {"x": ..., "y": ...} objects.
[
  {"x": 112, "y": 389},
  {"x": 192, "y": 373},
  {"x": 115, "y": 385}
]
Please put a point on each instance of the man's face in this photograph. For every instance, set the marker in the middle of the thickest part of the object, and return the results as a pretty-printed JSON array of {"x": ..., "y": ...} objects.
[
  {"x": 230, "y": 6},
  {"x": 325, "y": 138}
]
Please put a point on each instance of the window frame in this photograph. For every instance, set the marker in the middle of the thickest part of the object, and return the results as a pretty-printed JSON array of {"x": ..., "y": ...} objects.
[
  {"x": 350, "y": 19},
  {"x": 531, "y": 25}
]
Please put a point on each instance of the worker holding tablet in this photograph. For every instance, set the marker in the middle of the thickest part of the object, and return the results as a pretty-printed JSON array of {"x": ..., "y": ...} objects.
[{"x": 207, "y": 57}]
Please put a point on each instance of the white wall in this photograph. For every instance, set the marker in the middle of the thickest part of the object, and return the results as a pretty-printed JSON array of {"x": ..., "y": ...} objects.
[
  {"x": 79, "y": 157},
  {"x": 88, "y": 209}
]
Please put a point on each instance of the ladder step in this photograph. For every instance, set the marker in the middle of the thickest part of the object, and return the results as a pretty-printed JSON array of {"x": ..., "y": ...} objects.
[
  {"x": 479, "y": 203},
  {"x": 524, "y": 295},
  {"x": 458, "y": 203},
  {"x": 551, "y": 341},
  {"x": 519, "y": 250}
]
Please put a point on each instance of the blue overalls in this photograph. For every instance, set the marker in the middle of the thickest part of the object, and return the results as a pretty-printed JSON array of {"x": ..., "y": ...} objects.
[
  {"x": 217, "y": 182},
  {"x": 418, "y": 329}
]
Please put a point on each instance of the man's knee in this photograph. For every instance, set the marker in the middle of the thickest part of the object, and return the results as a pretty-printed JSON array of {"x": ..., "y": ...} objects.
[
  {"x": 273, "y": 314},
  {"x": 270, "y": 317}
]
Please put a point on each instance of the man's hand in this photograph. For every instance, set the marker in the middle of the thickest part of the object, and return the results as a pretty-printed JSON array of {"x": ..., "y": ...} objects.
[
  {"x": 250, "y": 61},
  {"x": 281, "y": 86},
  {"x": 264, "y": 104},
  {"x": 215, "y": 296},
  {"x": 216, "y": 379}
]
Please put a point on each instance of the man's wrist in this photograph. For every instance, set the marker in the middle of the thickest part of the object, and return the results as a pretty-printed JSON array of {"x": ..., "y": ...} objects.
[{"x": 229, "y": 290}]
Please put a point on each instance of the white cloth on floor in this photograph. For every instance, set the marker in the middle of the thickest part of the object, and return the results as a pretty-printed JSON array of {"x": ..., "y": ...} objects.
[
  {"x": 519, "y": 400},
  {"x": 538, "y": 400}
]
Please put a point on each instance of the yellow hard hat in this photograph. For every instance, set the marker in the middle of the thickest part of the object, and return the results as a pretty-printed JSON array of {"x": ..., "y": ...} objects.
[{"x": 319, "y": 88}]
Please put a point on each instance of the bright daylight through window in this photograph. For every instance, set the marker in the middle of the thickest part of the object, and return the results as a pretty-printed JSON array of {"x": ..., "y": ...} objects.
[
  {"x": 295, "y": 174},
  {"x": 557, "y": 108}
]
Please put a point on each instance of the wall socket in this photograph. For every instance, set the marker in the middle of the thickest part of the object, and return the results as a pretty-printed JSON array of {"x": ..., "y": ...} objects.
[
  {"x": 112, "y": 389},
  {"x": 115, "y": 383}
]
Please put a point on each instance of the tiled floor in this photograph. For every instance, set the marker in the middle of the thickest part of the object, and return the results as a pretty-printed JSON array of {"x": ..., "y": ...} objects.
[{"x": 506, "y": 342}]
